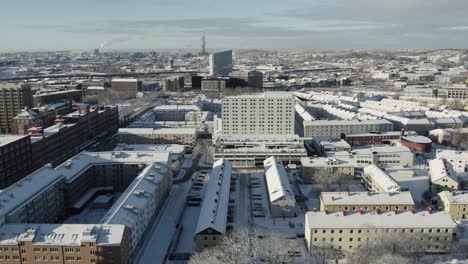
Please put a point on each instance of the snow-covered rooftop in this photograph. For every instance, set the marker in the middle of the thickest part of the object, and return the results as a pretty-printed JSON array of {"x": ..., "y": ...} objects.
[
  {"x": 277, "y": 180},
  {"x": 452, "y": 154},
  {"x": 137, "y": 196},
  {"x": 8, "y": 139},
  {"x": 367, "y": 198},
  {"x": 26, "y": 188},
  {"x": 61, "y": 234},
  {"x": 441, "y": 168},
  {"x": 157, "y": 131},
  {"x": 456, "y": 197},
  {"x": 347, "y": 122},
  {"x": 213, "y": 213},
  {"x": 382, "y": 179},
  {"x": 384, "y": 220}
]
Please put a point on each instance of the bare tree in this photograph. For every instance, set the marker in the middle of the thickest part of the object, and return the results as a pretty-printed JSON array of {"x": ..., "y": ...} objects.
[
  {"x": 247, "y": 246},
  {"x": 396, "y": 247},
  {"x": 459, "y": 139},
  {"x": 326, "y": 178}
]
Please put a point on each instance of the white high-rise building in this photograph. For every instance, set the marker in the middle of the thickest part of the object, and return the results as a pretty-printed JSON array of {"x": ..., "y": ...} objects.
[
  {"x": 270, "y": 113},
  {"x": 221, "y": 63}
]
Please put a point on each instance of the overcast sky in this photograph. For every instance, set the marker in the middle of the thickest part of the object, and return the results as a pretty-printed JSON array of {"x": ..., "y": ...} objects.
[{"x": 263, "y": 24}]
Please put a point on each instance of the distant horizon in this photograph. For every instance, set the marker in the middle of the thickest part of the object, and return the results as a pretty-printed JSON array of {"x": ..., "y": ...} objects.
[
  {"x": 196, "y": 52},
  {"x": 297, "y": 24}
]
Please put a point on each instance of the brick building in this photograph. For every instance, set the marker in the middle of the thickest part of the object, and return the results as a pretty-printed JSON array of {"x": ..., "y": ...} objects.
[{"x": 15, "y": 159}]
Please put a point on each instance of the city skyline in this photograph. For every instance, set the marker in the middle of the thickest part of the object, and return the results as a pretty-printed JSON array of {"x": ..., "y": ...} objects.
[{"x": 301, "y": 24}]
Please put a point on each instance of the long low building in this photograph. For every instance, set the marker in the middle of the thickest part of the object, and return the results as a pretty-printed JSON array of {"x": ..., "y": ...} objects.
[
  {"x": 280, "y": 192},
  {"x": 348, "y": 231},
  {"x": 366, "y": 201},
  {"x": 335, "y": 128},
  {"x": 212, "y": 222},
  {"x": 251, "y": 152},
  {"x": 377, "y": 180},
  {"x": 185, "y": 136},
  {"x": 443, "y": 177},
  {"x": 62, "y": 243},
  {"x": 455, "y": 203}
]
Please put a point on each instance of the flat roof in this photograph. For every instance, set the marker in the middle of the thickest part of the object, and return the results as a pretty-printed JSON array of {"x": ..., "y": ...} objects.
[
  {"x": 372, "y": 220},
  {"x": 25, "y": 189},
  {"x": 171, "y": 148},
  {"x": 452, "y": 154},
  {"x": 266, "y": 94},
  {"x": 347, "y": 122},
  {"x": 456, "y": 197},
  {"x": 328, "y": 162},
  {"x": 441, "y": 168},
  {"x": 157, "y": 131},
  {"x": 367, "y": 198},
  {"x": 178, "y": 107},
  {"x": 61, "y": 234},
  {"x": 124, "y": 80},
  {"x": 8, "y": 139},
  {"x": 385, "y": 149},
  {"x": 418, "y": 139},
  {"x": 381, "y": 178}
]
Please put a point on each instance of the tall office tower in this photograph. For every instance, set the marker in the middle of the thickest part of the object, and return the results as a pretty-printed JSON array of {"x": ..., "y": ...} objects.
[
  {"x": 270, "y": 113},
  {"x": 203, "y": 47},
  {"x": 13, "y": 99},
  {"x": 221, "y": 63},
  {"x": 96, "y": 52}
]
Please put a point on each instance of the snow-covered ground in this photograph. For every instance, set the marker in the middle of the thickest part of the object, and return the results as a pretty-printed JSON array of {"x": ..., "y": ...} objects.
[
  {"x": 90, "y": 215},
  {"x": 159, "y": 237}
]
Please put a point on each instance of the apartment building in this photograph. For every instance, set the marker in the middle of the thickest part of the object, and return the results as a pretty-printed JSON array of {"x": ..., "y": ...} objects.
[
  {"x": 185, "y": 136},
  {"x": 458, "y": 159},
  {"x": 77, "y": 129},
  {"x": 51, "y": 97},
  {"x": 212, "y": 222},
  {"x": 253, "y": 78},
  {"x": 172, "y": 112},
  {"x": 13, "y": 99},
  {"x": 366, "y": 201},
  {"x": 336, "y": 128},
  {"x": 280, "y": 192},
  {"x": 126, "y": 88},
  {"x": 50, "y": 195},
  {"x": 309, "y": 166},
  {"x": 15, "y": 159},
  {"x": 347, "y": 231},
  {"x": 443, "y": 176},
  {"x": 376, "y": 180},
  {"x": 455, "y": 203},
  {"x": 57, "y": 243},
  {"x": 270, "y": 113}
]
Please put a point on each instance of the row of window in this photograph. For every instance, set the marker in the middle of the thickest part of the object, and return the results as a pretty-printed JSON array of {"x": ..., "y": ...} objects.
[{"x": 359, "y": 231}]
